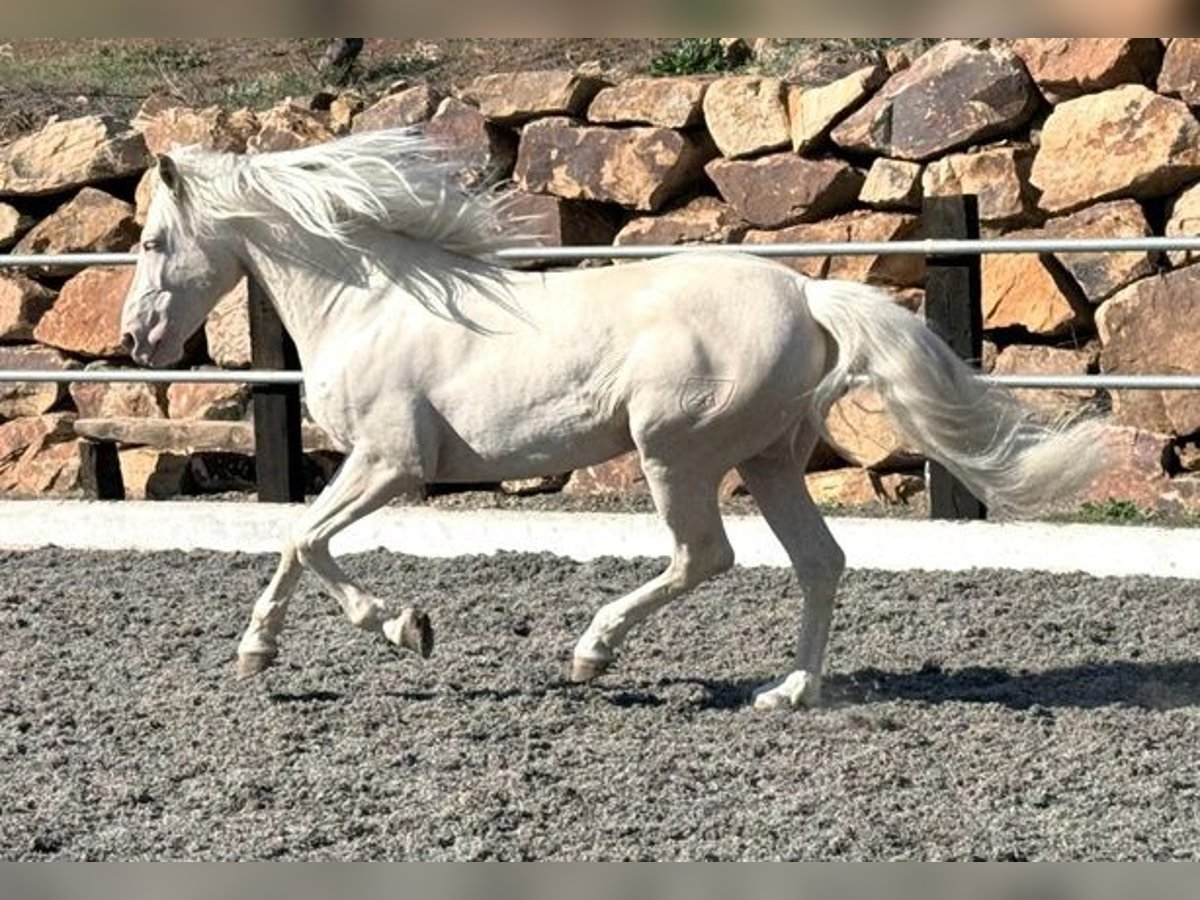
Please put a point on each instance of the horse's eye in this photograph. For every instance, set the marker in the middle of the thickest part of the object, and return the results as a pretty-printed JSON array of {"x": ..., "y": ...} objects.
[{"x": 151, "y": 245}]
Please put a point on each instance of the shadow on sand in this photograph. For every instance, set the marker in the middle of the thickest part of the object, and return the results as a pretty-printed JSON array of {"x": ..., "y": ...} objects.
[{"x": 1150, "y": 685}]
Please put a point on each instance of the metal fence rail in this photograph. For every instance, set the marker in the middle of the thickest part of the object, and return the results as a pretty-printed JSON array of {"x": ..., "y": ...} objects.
[
  {"x": 263, "y": 376},
  {"x": 927, "y": 247},
  {"x": 151, "y": 376}
]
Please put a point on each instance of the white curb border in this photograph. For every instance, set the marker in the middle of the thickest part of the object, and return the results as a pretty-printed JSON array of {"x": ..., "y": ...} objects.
[{"x": 893, "y": 545}]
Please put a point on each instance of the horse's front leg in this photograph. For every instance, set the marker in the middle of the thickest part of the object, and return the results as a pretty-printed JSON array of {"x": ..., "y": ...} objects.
[
  {"x": 365, "y": 482},
  {"x": 260, "y": 644}
]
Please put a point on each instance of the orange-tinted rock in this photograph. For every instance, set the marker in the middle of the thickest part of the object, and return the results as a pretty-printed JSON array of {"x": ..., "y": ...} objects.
[
  {"x": 862, "y": 432},
  {"x": 1022, "y": 359},
  {"x": 892, "y": 184},
  {"x": 94, "y": 399},
  {"x": 399, "y": 110},
  {"x": 555, "y": 222},
  {"x": 486, "y": 152},
  {"x": 90, "y": 222},
  {"x": 1126, "y": 142},
  {"x": 622, "y": 475},
  {"x": 23, "y": 302},
  {"x": 196, "y": 400},
  {"x": 511, "y": 98},
  {"x": 1137, "y": 473},
  {"x": 900, "y": 270},
  {"x": 641, "y": 168},
  {"x": 22, "y": 399},
  {"x": 851, "y": 488},
  {"x": 1026, "y": 291},
  {"x": 289, "y": 127},
  {"x": 166, "y": 128},
  {"x": 1180, "y": 75},
  {"x": 1100, "y": 275},
  {"x": 1069, "y": 67},
  {"x": 782, "y": 189},
  {"x": 1153, "y": 328},
  {"x": 13, "y": 224},
  {"x": 665, "y": 102},
  {"x": 1184, "y": 221},
  {"x": 41, "y": 457},
  {"x": 71, "y": 153},
  {"x": 701, "y": 220},
  {"x": 86, "y": 317},
  {"x": 813, "y": 110},
  {"x": 998, "y": 177},
  {"x": 150, "y": 474},
  {"x": 747, "y": 115},
  {"x": 227, "y": 330}
]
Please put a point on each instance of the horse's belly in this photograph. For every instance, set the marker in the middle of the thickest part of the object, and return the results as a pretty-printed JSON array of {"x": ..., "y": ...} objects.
[
  {"x": 518, "y": 453},
  {"x": 520, "y": 409}
]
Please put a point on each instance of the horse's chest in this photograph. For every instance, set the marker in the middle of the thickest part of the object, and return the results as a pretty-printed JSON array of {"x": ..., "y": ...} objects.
[{"x": 344, "y": 406}]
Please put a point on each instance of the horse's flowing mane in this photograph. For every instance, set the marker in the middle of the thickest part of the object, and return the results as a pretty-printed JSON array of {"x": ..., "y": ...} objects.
[{"x": 397, "y": 180}]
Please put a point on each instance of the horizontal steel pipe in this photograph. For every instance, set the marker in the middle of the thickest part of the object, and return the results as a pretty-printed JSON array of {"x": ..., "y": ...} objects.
[
  {"x": 150, "y": 376},
  {"x": 842, "y": 248},
  {"x": 253, "y": 376}
]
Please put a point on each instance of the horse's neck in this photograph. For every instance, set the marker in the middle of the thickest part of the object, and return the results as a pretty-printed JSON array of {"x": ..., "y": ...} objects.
[
  {"x": 291, "y": 286},
  {"x": 321, "y": 290}
]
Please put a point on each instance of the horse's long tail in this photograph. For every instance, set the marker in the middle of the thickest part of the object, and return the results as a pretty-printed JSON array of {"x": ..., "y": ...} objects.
[{"x": 977, "y": 431}]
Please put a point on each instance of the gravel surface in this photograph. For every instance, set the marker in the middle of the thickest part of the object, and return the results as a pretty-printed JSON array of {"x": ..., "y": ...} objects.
[{"x": 981, "y": 716}]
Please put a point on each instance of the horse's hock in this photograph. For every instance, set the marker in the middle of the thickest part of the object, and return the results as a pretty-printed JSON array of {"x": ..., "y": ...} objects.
[{"x": 644, "y": 160}]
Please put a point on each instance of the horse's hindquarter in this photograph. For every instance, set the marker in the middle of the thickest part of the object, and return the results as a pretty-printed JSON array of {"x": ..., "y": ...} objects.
[{"x": 721, "y": 359}]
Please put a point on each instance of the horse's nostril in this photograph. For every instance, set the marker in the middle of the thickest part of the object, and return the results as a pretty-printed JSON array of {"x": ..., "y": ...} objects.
[{"x": 128, "y": 342}]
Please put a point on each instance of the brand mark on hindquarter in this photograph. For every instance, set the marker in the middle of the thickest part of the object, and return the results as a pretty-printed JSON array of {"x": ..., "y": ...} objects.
[{"x": 704, "y": 397}]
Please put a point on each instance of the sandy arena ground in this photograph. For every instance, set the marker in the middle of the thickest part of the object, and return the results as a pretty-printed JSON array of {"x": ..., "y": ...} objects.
[{"x": 985, "y": 715}]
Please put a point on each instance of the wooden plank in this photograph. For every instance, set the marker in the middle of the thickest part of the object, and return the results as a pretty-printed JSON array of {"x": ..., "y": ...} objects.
[
  {"x": 279, "y": 458},
  {"x": 954, "y": 311},
  {"x": 190, "y": 435}
]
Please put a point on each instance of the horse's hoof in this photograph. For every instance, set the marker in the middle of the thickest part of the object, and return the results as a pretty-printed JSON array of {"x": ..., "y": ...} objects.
[
  {"x": 585, "y": 669},
  {"x": 799, "y": 690},
  {"x": 411, "y": 630},
  {"x": 251, "y": 664}
]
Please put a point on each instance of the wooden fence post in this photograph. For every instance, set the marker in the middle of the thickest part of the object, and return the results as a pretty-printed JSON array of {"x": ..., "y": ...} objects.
[
  {"x": 278, "y": 442},
  {"x": 110, "y": 483},
  {"x": 954, "y": 310}
]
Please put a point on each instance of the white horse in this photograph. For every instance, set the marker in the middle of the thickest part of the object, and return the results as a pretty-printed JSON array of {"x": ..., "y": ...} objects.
[{"x": 432, "y": 363}]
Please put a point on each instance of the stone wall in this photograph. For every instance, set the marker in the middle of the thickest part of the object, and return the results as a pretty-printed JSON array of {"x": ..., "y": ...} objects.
[{"x": 1057, "y": 137}]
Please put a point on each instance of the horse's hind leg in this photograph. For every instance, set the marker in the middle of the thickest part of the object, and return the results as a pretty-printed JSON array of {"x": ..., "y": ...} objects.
[
  {"x": 778, "y": 487},
  {"x": 688, "y": 504},
  {"x": 364, "y": 483}
]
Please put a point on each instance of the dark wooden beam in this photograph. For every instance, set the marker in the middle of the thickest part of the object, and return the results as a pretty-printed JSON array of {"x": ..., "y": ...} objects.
[
  {"x": 954, "y": 310},
  {"x": 279, "y": 451}
]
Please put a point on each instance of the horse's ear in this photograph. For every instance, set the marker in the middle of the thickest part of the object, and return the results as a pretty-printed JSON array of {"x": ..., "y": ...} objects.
[{"x": 168, "y": 172}]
